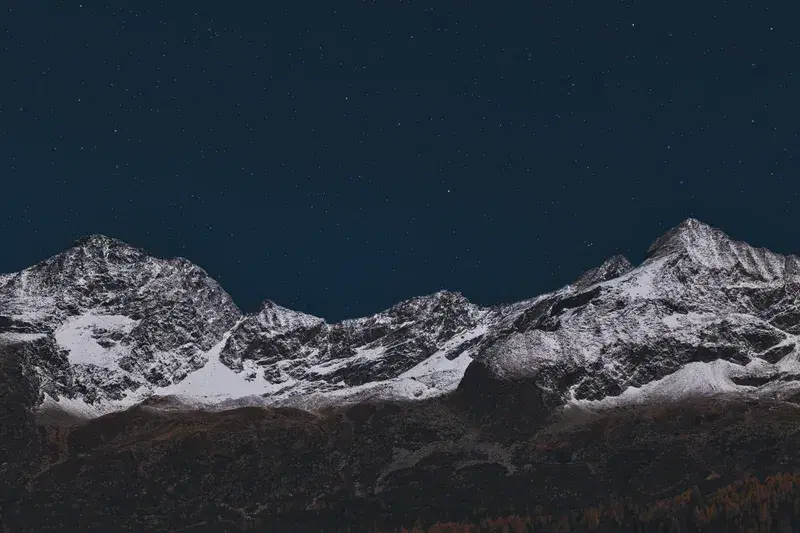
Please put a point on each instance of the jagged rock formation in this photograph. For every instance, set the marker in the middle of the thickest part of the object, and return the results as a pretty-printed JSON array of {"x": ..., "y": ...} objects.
[
  {"x": 613, "y": 267},
  {"x": 305, "y": 355}
]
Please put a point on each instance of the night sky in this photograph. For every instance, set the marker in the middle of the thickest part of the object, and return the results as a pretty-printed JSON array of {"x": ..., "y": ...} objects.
[{"x": 337, "y": 157}]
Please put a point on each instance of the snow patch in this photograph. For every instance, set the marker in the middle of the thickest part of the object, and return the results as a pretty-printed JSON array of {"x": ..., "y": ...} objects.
[
  {"x": 328, "y": 367},
  {"x": 677, "y": 320},
  {"x": 79, "y": 336},
  {"x": 14, "y": 338},
  {"x": 438, "y": 371},
  {"x": 369, "y": 354},
  {"x": 216, "y": 382},
  {"x": 641, "y": 286},
  {"x": 692, "y": 380},
  {"x": 790, "y": 363},
  {"x": 74, "y": 407},
  {"x": 79, "y": 408}
]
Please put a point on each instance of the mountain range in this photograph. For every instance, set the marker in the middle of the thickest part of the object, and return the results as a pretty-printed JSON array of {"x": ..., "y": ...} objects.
[
  {"x": 702, "y": 314},
  {"x": 114, "y": 359}
]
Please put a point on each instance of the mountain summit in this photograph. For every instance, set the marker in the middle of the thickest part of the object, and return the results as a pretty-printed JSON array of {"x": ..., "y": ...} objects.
[
  {"x": 703, "y": 314},
  {"x": 688, "y": 235}
]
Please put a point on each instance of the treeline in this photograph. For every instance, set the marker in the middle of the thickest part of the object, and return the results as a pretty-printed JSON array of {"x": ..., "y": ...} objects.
[{"x": 749, "y": 506}]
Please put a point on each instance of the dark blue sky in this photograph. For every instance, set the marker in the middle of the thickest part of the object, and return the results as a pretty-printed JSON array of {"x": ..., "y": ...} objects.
[{"x": 339, "y": 157}]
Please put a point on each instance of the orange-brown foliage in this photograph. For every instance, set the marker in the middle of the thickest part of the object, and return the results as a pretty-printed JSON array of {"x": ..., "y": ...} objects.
[{"x": 745, "y": 505}]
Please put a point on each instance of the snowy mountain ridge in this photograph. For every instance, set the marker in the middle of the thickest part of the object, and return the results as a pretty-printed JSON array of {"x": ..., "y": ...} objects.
[
  {"x": 703, "y": 314},
  {"x": 112, "y": 326}
]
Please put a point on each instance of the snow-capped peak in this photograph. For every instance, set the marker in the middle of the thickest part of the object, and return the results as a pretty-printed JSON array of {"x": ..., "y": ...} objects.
[
  {"x": 613, "y": 267},
  {"x": 120, "y": 319},
  {"x": 699, "y": 297},
  {"x": 98, "y": 240},
  {"x": 278, "y": 319},
  {"x": 689, "y": 235},
  {"x": 709, "y": 247}
]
